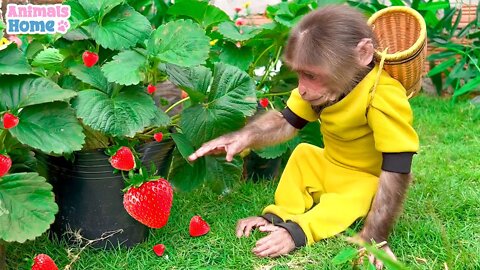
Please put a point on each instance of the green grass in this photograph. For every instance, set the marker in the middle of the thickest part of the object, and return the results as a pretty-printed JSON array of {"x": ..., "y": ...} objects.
[{"x": 440, "y": 223}]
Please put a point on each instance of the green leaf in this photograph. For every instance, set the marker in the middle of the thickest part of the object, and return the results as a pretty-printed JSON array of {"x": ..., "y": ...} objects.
[
  {"x": 231, "y": 98},
  {"x": 221, "y": 175},
  {"x": 78, "y": 21},
  {"x": 201, "y": 12},
  {"x": 433, "y": 6},
  {"x": 33, "y": 48},
  {"x": 311, "y": 134},
  {"x": 161, "y": 119},
  {"x": 441, "y": 55},
  {"x": 181, "y": 42},
  {"x": 194, "y": 80},
  {"x": 442, "y": 67},
  {"x": 2, "y": 27},
  {"x": 12, "y": 61},
  {"x": 50, "y": 127},
  {"x": 92, "y": 76},
  {"x": 22, "y": 91},
  {"x": 124, "y": 114},
  {"x": 212, "y": 171},
  {"x": 345, "y": 256},
  {"x": 239, "y": 57},
  {"x": 27, "y": 207},
  {"x": 469, "y": 86},
  {"x": 273, "y": 151},
  {"x": 94, "y": 8},
  {"x": 388, "y": 261},
  {"x": 183, "y": 145},
  {"x": 48, "y": 58},
  {"x": 122, "y": 28},
  {"x": 230, "y": 31},
  {"x": 397, "y": 3},
  {"x": 126, "y": 68},
  {"x": 184, "y": 176}
]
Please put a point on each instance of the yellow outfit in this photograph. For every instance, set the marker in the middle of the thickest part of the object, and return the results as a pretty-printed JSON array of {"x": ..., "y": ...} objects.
[{"x": 325, "y": 190}]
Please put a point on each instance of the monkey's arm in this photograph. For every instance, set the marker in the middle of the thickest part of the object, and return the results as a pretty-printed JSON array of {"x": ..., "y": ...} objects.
[
  {"x": 386, "y": 206},
  {"x": 268, "y": 129}
]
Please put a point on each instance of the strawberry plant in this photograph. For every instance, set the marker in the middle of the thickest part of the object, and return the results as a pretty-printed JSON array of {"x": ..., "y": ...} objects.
[{"x": 95, "y": 87}]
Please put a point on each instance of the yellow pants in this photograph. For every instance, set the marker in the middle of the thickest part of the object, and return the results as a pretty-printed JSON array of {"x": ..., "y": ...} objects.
[{"x": 324, "y": 199}]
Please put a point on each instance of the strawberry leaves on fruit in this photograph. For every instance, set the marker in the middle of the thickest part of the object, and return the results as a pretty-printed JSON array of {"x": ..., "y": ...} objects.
[{"x": 198, "y": 226}]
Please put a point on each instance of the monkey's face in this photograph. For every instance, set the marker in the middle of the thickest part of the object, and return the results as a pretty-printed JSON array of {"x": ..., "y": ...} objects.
[{"x": 314, "y": 86}]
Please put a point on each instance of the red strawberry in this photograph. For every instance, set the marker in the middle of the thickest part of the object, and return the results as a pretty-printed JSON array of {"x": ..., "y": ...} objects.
[
  {"x": 151, "y": 88},
  {"x": 264, "y": 102},
  {"x": 198, "y": 226},
  {"x": 123, "y": 159},
  {"x": 5, "y": 164},
  {"x": 150, "y": 203},
  {"x": 158, "y": 136},
  {"x": 237, "y": 9},
  {"x": 89, "y": 58},
  {"x": 9, "y": 120},
  {"x": 43, "y": 262},
  {"x": 159, "y": 249},
  {"x": 184, "y": 94}
]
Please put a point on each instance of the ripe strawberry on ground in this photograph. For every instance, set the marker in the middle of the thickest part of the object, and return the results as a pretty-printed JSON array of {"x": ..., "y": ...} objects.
[
  {"x": 158, "y": 136},
  {"x": 159, "y": 249},
  {"x": 5, "y": 164},
  {"x": 10, "y": 120},
  {"x": 264, "y": 102},
  {"x": 150, "y": 203},
  {"x": 89, "y": 58},
  {"x": 151, "y": 89},
  {"x": 43, "y": 262},
  {"x": 123, "y": 159},
  {"x": 198, "y": 226}
]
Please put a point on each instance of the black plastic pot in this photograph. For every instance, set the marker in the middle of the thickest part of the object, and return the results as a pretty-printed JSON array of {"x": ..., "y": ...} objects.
[{"x": 90, "y": 198}]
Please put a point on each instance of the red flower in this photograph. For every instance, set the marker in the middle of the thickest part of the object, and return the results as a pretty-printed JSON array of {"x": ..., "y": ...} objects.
[{"x": 237, "y": 9}]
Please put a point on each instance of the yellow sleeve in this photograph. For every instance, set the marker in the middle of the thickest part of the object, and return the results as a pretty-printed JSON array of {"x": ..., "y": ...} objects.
[
  {"x": 390, "y": 117},
  {"x": 301, "y": 107}
]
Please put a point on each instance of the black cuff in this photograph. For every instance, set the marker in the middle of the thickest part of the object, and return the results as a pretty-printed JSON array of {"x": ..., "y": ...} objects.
[
  {"x": 294, "y": 120},
  {"x": 299, "y": 237},
  {"x": 272, "y": 218},
  {"x": 397, "y": 162}
]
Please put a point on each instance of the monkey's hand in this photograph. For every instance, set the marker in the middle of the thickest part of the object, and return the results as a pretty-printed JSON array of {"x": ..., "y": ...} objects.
[
  {"x": 231, "y": 144},
  {"x": 378, "y": 263},
  {"x": 278, "y": 242},
  {"x": 246, "y": 225}
]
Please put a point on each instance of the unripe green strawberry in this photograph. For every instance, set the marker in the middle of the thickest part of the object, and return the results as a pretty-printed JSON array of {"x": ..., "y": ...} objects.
[{"x": 150, "y": 203}]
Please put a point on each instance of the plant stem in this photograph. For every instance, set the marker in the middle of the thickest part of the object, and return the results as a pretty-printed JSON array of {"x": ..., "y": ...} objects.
[
  {"x": 272, "y": 64},
  {"x": 277, "y": 94},
  {"x": 176, "y": 104},
  {"x": 260, "y": 56},
  {"x": 2, "y": 138}
]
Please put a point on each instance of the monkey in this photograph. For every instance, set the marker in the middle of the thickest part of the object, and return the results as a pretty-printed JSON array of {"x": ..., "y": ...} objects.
[{"x": 364, "y": 168}]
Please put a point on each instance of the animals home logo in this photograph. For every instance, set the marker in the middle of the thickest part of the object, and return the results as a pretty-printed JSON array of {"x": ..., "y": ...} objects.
[{"x": 37, "y": 19}]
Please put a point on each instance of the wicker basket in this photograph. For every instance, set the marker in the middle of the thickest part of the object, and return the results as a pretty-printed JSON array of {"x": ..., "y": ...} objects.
[{"x": 402, "y": 31}]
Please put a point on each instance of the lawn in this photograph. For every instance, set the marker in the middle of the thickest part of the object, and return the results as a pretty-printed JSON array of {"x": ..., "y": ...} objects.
[{"x": 440, "y": 223}]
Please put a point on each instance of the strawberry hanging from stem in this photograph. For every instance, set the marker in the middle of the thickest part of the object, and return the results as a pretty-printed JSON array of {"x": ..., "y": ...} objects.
[
  {"x": 10, "y": 121},
  {"x": 5, "y": 164},
  {"x": 123, "y": 159},
  {"x": 89, "y": 58}
]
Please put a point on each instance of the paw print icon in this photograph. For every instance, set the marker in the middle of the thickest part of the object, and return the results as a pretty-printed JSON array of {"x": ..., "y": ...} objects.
[{"x": 62, "y": 26}]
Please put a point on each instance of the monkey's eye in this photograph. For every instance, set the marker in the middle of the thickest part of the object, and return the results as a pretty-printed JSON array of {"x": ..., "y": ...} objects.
[{"x": 308, "y": 75}]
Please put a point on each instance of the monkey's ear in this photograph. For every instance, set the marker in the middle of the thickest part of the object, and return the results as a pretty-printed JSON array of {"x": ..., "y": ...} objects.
[{"x": 365, "y": 51}]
